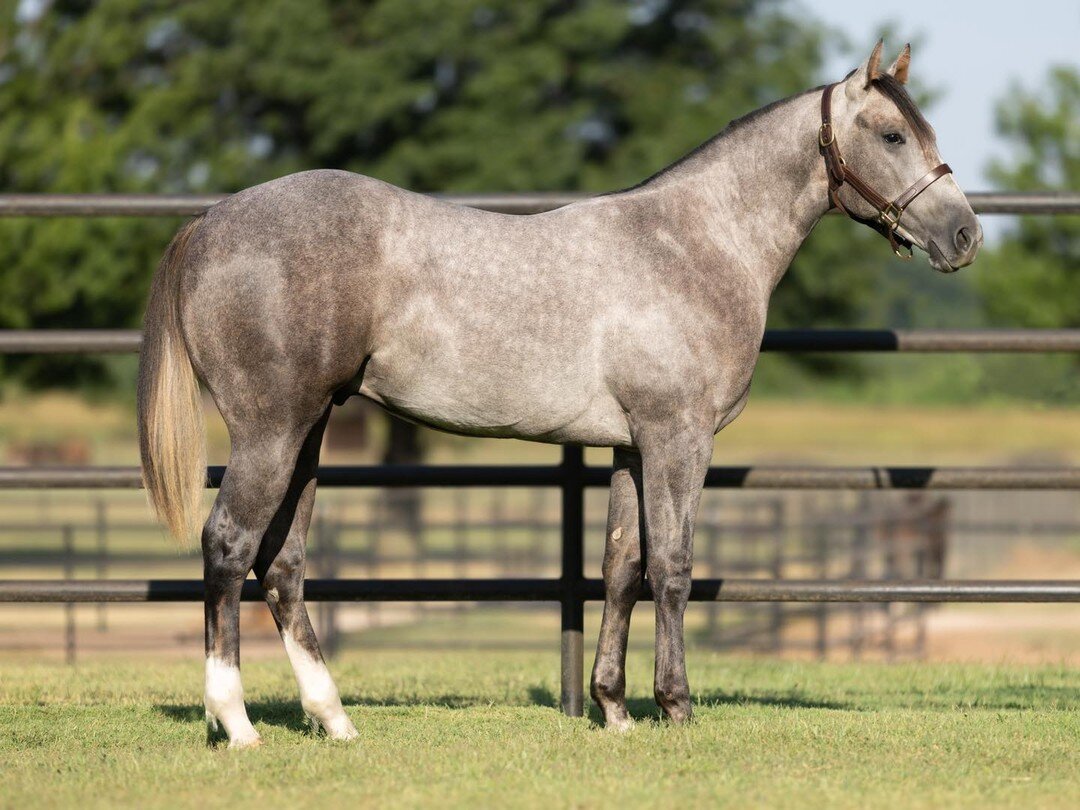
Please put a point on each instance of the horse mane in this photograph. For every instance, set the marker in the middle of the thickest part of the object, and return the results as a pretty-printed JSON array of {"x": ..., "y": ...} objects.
[
  {"x": 733, "y": 125},
  {"x": 886, "y": 83}
]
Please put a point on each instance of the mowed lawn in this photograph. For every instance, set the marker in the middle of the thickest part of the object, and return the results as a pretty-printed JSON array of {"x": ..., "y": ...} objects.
[{"x": 481, "y": 729}]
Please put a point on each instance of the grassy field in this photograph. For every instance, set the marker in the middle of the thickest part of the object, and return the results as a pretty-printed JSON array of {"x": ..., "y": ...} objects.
[{"x": 472, "y": 729}]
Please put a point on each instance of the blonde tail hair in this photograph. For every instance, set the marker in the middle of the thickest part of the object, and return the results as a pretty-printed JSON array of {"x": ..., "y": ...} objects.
[{"x": 172, "y": 443}]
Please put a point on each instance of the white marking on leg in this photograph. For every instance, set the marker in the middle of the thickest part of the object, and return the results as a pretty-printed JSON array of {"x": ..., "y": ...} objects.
[
  {"x": 225, "y": 702},
  {"x": 318, "y": 694},
  {"x": 617, "y": 534}
]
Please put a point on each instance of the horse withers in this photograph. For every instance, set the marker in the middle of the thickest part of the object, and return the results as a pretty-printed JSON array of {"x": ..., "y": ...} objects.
[{"x": 631, "y": 320}]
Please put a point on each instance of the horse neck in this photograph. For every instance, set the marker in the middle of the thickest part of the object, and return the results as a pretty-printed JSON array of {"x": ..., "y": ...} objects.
[{"x": 758, "y": 190}]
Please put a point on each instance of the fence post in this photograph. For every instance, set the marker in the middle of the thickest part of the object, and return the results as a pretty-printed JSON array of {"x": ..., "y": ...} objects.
[
  {"x": 69, "y": 608},
  {"x": 859, "y": 547},
  {"x": 712, "y": 559},
  {"x": 776, "y": 610},
  {"x": 102, "y": 558},
  {"x": 573, "y": 574},
  {"x": 821, "y": 542}
]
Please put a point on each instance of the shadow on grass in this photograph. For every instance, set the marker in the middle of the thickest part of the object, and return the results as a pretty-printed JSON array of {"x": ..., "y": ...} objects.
[
  {"x": 288, "y": 714},
  {"x": 542, "y": 696},
  {"x": 1010, "y": 698},
  {"x": 284, "y": 713},
  {"x": 645, "y": 709}
]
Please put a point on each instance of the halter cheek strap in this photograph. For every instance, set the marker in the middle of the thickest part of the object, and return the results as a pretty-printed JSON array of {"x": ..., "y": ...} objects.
[{"x": 889, "y": 212}]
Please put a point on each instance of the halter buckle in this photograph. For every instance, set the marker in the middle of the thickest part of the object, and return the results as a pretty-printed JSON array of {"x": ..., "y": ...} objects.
[
  {"x": 826, "y": 137},
  {"x": 890, "y": 216},
  {"x": 905, "y": 256}
]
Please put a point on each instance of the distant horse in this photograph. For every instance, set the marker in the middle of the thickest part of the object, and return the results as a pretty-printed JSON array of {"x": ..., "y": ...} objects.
[{"x": 631, "y": 320}]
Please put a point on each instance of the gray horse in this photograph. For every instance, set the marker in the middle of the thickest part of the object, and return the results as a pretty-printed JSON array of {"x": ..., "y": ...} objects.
[{"x": 631, "y": 321}]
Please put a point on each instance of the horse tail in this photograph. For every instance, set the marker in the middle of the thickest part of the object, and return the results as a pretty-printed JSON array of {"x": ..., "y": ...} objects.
[{"x": 172, "y": 442}]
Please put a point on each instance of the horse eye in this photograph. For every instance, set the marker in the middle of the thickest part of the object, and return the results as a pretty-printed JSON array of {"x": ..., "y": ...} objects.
[{"x": 893, "y": 138}]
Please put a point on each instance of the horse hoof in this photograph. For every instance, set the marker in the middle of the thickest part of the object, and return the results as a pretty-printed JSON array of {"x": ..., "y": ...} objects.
[
  {"x": 343, "y": 731},
  {"x": 338, "y": 728},
  {"x": 621, "y": 725},
  {"x": 346, "y": 735},
  {"x": 244, "y": 743}
]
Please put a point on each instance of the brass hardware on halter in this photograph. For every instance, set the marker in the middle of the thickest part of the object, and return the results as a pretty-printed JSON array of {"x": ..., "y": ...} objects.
[
  {"x": 824, "y": 140},
  {"x": 890, "y": 217}
]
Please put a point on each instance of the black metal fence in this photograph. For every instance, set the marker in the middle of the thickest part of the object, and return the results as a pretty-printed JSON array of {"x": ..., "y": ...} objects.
[
  {"x": 779, "y": 535},
  {"x": 571, "y": 590}
]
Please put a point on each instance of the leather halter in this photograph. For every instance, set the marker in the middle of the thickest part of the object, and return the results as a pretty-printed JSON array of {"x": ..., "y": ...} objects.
[{"x": 889, "y": 213}]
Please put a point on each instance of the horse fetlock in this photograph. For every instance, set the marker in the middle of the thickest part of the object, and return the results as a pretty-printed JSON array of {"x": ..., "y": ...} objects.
[
  {"x": 608, "y": 690},
  {"x": 336, "y": 724},
  {"x": 675, "y": 703},
  {"x": 608, "y": 687},
  {"x": 224, "y": 702},
  {"x": 321, "y": 706},
  {"x": 318, "y": 693}
]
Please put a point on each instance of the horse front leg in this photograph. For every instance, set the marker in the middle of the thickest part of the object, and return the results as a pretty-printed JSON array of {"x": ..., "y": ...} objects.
[
  {"x": 623, "y": 576},
  {"x": 674, "y": 462}
]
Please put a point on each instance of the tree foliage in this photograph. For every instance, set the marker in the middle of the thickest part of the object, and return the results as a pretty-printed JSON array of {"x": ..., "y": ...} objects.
[
  {"x": 1033, "y": 277},
  {"x": 445, "y": 95}
]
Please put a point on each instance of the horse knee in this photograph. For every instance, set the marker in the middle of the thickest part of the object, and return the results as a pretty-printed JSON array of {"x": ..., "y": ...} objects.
[
  {"x": 669, "y": 575},
  {"x": 623, "y": 584}
]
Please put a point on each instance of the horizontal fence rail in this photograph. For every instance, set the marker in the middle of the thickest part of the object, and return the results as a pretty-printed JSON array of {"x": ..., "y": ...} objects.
[
  {"x": 182, "y": 205},
  {"x": 505, "y": 475},
  {"x": 926, "y": 341},
  {"x": 552, "y": 590}
]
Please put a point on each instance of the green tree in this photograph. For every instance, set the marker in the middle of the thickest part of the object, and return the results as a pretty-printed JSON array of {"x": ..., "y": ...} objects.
[
  {"x": 444, "y": 95},
  {"x": 1033, "y": 277}
]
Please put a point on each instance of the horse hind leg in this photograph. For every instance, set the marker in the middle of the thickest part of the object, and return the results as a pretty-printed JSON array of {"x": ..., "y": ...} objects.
[
  {"x": 252, "y": 498},
  {"x": 279, "y": 566}
]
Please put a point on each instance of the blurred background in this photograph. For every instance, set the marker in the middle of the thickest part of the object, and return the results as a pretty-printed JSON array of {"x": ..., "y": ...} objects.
[{"x": 202, "y": 96}]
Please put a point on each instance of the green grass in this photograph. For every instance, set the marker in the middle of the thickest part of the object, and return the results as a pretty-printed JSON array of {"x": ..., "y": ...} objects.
[{"x": 480, "y": 729}]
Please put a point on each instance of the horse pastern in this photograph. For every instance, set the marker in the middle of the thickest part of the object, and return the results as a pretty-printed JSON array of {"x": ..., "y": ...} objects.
[{"x": 678, "y": 715}]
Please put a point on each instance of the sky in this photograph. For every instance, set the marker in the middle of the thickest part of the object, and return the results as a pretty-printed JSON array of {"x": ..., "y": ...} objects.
[{"x": 973, "y": 53}]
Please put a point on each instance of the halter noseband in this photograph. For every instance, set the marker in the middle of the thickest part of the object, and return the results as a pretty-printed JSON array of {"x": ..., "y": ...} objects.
[{"x": 889, "y": 213}]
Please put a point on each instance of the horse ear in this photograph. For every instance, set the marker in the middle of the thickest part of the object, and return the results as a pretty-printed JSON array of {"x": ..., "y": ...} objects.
[
  {"x": 866, "y": 72},
  {"x": 899, "y": 68},
  {"x": 873, "y": 64}
]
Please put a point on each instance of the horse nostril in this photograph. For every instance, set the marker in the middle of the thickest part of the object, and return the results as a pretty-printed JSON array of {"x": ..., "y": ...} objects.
[{"x": 963, "y": 239}]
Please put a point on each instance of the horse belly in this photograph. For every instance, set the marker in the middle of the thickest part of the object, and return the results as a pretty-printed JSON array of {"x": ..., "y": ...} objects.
[{"x": 496, "y": 399}]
